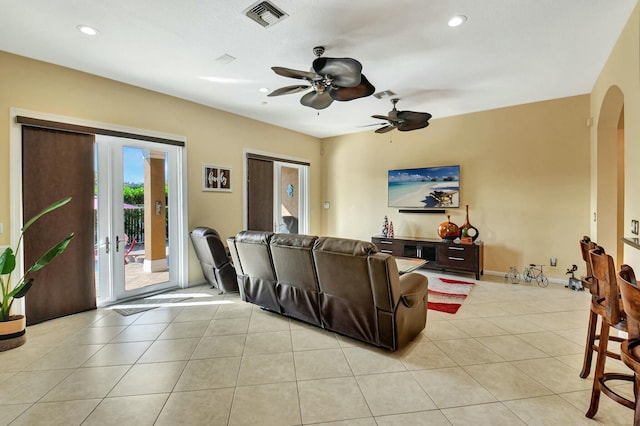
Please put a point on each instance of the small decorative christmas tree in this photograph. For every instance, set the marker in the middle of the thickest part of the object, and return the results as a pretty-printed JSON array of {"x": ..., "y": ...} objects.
[
  {"x": 390, "y": 229},
  {"x": 385, "y": 227}
]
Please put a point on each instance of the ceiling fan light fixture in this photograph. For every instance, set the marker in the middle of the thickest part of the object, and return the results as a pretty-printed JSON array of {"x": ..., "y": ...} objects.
[
  {"x": 457, "y": 20},
  {"x": 330, "y": 79},
  {"x": 404, "y": 121}
]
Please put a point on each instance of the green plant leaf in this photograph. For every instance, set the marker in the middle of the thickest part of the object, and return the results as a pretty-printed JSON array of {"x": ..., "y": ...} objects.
[
  {"x": 53, "y": 252},
  {"x": 51, "y": 208},
  {"x": 22, "y": 289},
  {"x": 7, "y": 261}
]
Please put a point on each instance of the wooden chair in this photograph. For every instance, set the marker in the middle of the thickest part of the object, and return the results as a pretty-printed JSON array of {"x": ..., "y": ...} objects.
[
  {"x": 609, "y": 306},
  {"x": 630, "y": 349},
  {"x": 588, "y": 281}
]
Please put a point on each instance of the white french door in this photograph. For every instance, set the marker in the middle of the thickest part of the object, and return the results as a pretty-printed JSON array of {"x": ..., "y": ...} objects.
[
  {"x": 137, "y": 218},
  {"x": 291, "y": 201}
]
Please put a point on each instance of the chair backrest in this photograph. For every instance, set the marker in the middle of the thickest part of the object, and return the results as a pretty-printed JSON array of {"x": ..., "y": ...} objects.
[
  {"x": 586, "y": 245},
  {"x": 630, "y": 299},
  {"x": 209, "y": 247},
  {"x": 608, "y": 295},
  {"x": 346, "y": 294},
  {"x": 258, "y": 276},
  {"x": 297, "y": 283}
]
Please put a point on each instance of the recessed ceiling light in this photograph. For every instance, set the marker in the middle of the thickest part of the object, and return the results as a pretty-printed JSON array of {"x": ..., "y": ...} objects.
[
  {"x": 88, "y": 30},
  {"x": 457, "y": 20},
  {"x": 264, "y": 89}
]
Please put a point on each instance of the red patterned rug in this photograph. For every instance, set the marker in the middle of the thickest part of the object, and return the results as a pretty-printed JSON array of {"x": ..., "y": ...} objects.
[{"x": 447, "y": 295}]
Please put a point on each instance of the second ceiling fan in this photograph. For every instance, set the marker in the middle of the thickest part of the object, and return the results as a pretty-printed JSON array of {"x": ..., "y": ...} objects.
[
  {"x": 331, "y": 79},
  {"x": 403, "y": 120}
]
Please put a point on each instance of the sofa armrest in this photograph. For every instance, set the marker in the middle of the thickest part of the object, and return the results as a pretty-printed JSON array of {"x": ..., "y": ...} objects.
[{"x": 413, "y": 288}]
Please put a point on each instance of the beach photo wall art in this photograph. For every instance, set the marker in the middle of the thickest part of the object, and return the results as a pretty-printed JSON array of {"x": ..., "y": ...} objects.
[{"x": 425, "y": 187}]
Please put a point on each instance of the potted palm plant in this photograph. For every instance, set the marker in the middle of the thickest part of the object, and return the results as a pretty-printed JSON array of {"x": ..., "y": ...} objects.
[{"x": 13, "y": 327}]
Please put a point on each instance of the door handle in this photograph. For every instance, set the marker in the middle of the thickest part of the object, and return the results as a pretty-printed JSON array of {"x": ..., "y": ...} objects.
[
  {"x": 106, "y": 245},
  {"x": 117, "y": 243}
]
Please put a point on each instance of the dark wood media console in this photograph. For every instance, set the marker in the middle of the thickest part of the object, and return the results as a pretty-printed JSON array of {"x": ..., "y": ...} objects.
[{"x": 441, "y": 255}]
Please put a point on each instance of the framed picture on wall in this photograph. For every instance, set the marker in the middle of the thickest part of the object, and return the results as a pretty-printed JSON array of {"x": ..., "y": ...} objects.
[{"x": 216, "y": 178}]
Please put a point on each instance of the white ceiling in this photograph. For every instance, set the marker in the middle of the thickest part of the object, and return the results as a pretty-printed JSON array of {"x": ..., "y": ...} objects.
[{"x": 509, "y": 52}]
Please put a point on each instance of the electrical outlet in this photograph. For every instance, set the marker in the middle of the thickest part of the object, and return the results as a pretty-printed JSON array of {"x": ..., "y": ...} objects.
[{"x": 634, "y": 227}]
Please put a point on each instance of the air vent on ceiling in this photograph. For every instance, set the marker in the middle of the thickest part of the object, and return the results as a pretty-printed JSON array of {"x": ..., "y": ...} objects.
[
  {"x": 265, "y": 13},
  {"x": 225, "y": 59},
  {"x": 384, "y": 94}
]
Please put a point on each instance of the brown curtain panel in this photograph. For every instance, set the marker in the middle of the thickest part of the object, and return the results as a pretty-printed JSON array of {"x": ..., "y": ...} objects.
[
  {"x": 260, "y": 195},
  {"x": 55, "y": 165}
]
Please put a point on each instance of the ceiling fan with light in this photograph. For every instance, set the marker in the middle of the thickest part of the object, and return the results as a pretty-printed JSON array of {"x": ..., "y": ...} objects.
[
  {"x": 404, "y": 121},
  {"x": 330, "y": 79}
]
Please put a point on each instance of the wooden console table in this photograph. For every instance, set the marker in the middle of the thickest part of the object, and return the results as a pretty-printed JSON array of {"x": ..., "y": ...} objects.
[{"x": 440, "y": 255}]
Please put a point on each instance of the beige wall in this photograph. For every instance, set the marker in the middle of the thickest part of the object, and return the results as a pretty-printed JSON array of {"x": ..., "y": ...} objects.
[
  {"x": 213, "y": 136},
  {"x": 524, "y": 173},
  {"x": 621, "y": 72},
  {"x": 524, "y": 169}
]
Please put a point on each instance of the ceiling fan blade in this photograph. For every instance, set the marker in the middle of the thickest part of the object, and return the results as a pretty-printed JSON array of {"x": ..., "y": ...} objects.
[
  {"x": 381, "y": 117},
  {"x": 288, "y": 72},
  {"x": 345, "y": 72},
  {"x": 413, "y": 116},
  {"x": 385, "y": 129},
  {"x": 405, "y": 126},
  {"x": 316, "y": 100},
  {"x": 362, "y": 90},
  {"x": 288, "y": 90},
  {"x": 410, "y": 120}
]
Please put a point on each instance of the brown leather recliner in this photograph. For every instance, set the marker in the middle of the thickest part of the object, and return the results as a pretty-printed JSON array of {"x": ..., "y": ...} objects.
[
  {"x": 216, "y": 266},
  {"x": 251, "y": 256},
  {"x": 297, "y": 283},
  {"x": 363, "y": 296},
  {"x": 342, "y": 285}
]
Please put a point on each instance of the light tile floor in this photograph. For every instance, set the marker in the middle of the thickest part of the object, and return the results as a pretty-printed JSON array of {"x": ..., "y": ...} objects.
[{"x": 510, "y": 356}]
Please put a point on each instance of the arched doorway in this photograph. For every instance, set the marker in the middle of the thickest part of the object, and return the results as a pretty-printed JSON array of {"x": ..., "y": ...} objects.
[{"x": 610, "y": 174}]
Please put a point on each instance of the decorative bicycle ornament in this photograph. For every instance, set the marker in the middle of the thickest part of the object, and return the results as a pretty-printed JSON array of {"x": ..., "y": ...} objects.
[{"x": 534, "y": 273}]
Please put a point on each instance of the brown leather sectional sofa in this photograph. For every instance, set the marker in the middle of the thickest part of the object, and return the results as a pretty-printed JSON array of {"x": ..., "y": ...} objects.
[{"x": 342, "y": 285}]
